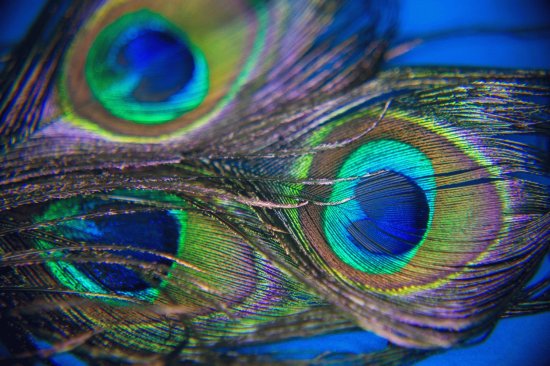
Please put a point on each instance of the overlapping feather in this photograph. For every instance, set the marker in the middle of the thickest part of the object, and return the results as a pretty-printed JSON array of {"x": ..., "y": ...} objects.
[{"x": 316, "y": 198}]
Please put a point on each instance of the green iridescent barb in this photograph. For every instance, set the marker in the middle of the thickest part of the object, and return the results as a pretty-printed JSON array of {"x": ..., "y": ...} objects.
[{"x": 195, "y": 181}]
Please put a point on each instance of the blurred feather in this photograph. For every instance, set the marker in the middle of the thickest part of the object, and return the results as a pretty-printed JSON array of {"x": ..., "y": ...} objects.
[{"x": 186, "y": 180}]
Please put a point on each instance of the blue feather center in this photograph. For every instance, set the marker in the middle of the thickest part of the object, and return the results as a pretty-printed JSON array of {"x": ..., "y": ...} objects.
[
  {"x": 165, "y": 64},
  {"x": 156, "y": 231},
  {"x": 396, "y": 214}
]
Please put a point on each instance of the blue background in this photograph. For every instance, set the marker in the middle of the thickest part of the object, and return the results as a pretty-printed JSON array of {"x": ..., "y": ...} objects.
[
  {"x": 459, "y": 33},
  {"x": 524, "y": 340}
]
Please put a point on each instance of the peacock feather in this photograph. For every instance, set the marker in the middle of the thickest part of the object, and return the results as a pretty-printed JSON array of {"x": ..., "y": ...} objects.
[{"x": 192, "y": 182}]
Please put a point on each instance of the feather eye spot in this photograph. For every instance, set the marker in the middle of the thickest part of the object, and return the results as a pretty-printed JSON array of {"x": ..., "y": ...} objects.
[
  {"x": 143, "y": 69},
  {"x": 382, "y": 227},
  {"x": 118, "y": 247},
  {"x": 147, "y": 71}
]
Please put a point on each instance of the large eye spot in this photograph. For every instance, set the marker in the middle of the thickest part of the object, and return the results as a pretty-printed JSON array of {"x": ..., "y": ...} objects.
[
  {"x": 144, "y": 237},
  {"x": 143, "y": 69},
  {"x": 147, "y": 71},
  {"x": 380, "y": 217}
]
